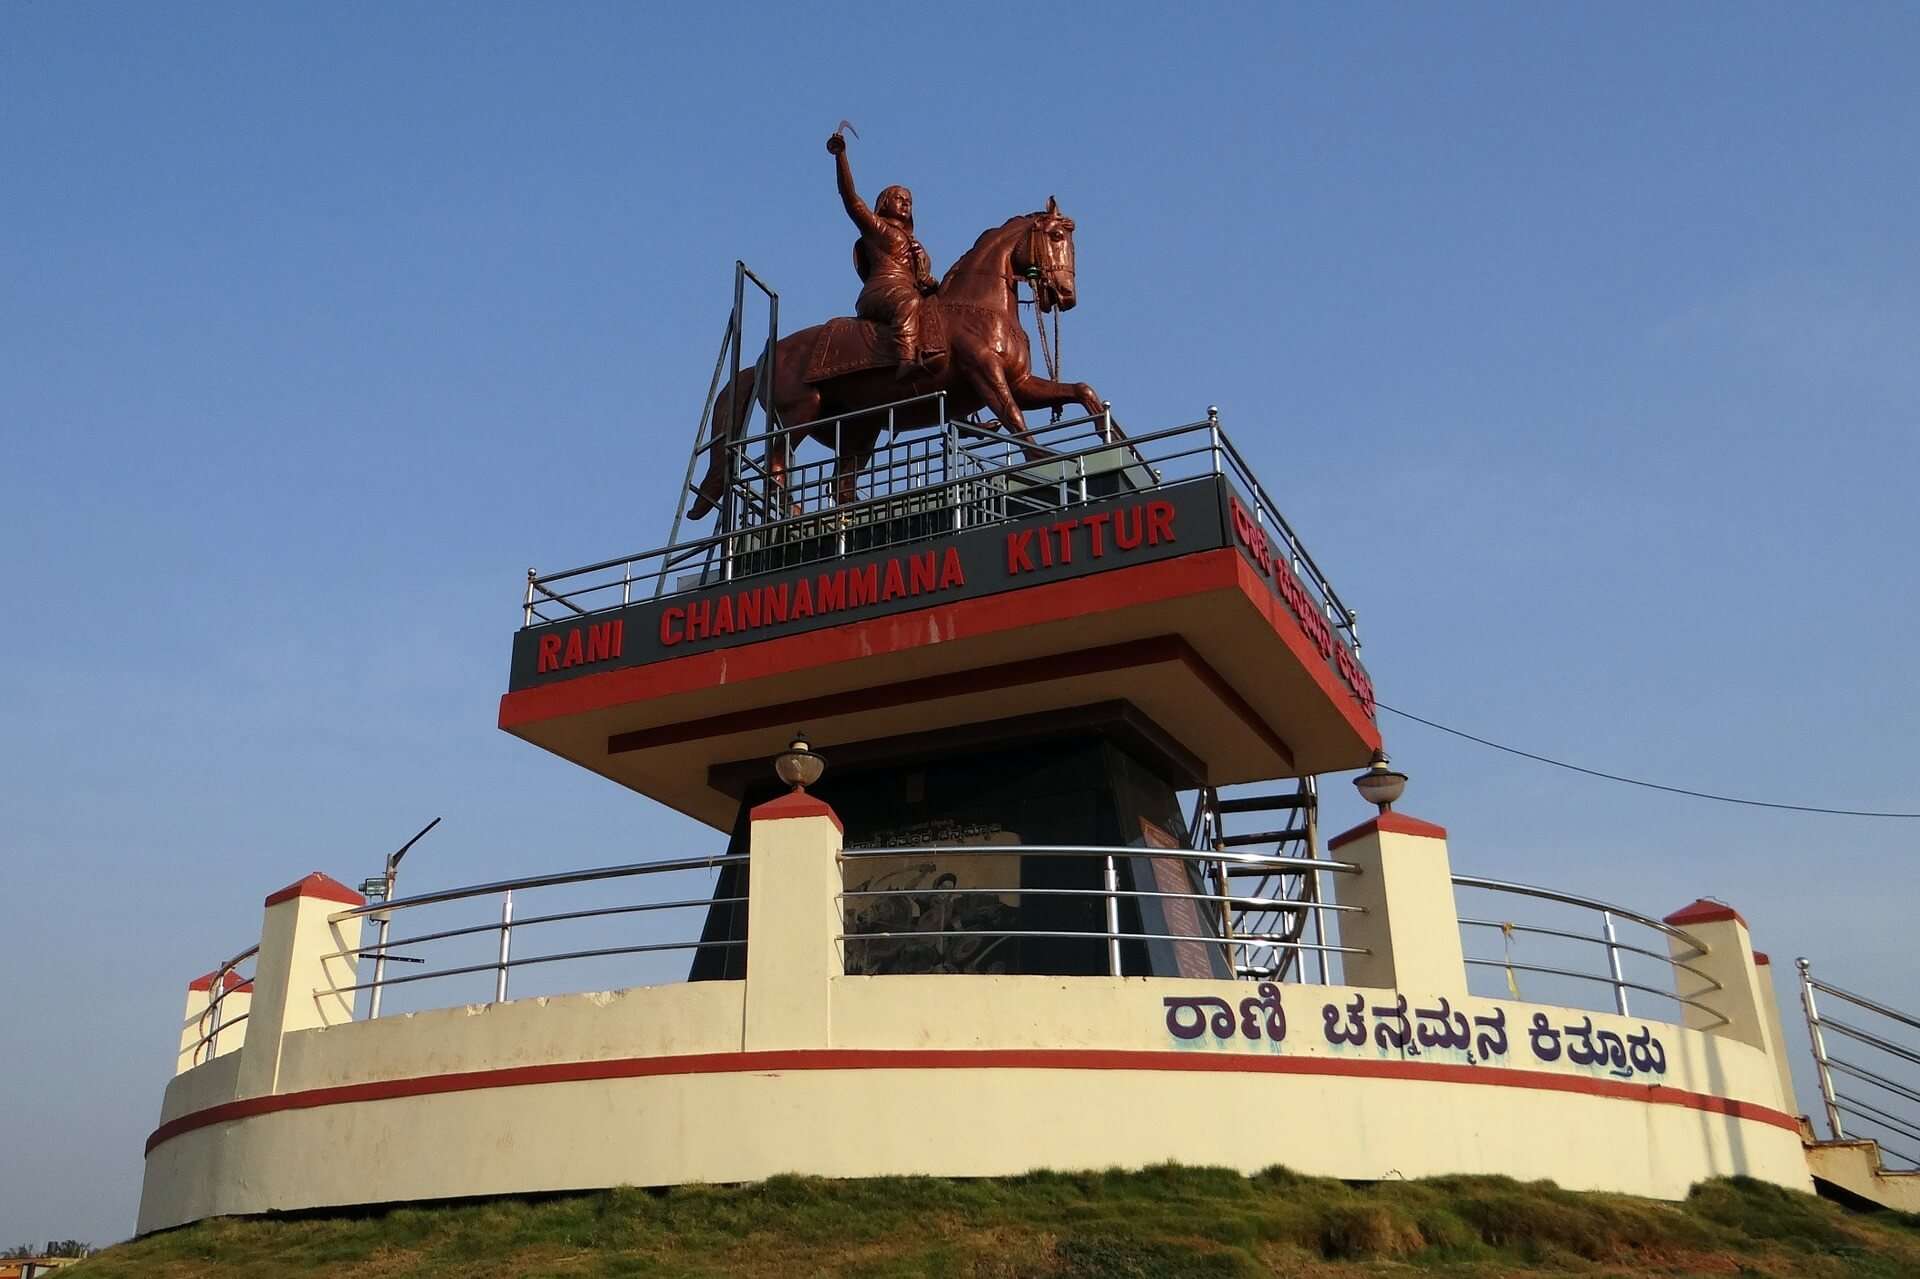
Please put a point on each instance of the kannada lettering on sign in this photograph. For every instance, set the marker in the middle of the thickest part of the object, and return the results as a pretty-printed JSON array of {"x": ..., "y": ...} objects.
[
  {"x": 1440, "y": 1027},
  {"x": 1278, "y": 568},
  {"x": 1639, "y": 1054},
  {"x": 1190, "y": 1017},
  {"x": 1402, "y": 1029}
]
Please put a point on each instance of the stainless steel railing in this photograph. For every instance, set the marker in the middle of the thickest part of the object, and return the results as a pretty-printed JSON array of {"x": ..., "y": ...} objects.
[
  {"x": 923, "y": 482},
  {"x": 501, "y": 928},
  {"x": 1883, "y": 1064},
  {"x": 934, "y": 923},
  {"x": 1571, "y": 948},
  {"x": 214, "y": 1018}
]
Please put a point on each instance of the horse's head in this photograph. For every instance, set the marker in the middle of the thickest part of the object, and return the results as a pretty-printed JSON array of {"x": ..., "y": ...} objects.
[{"x": 1045, "y": 256}]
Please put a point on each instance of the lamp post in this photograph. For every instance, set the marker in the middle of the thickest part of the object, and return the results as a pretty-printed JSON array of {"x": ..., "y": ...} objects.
[
  {"x": 380, "y": 889},
  {"x": 1380, "y": 785},
  {"x": 798, "y": 765}
]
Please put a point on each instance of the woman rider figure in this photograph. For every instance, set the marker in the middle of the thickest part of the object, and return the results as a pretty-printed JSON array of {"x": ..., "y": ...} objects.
[{"x": 893, "y": 268}]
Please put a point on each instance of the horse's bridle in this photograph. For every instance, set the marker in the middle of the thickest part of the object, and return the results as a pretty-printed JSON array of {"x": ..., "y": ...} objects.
[{"x": 1038, "y": 252}]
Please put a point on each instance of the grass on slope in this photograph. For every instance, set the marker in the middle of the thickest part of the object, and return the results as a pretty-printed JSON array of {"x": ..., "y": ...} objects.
[{"x": 1172, "y": 1221}]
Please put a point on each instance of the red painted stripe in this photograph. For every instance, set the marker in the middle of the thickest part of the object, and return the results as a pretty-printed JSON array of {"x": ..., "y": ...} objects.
[
  {"x": 1186, "y": 575},
  {"x": 964, "y": 1059}
]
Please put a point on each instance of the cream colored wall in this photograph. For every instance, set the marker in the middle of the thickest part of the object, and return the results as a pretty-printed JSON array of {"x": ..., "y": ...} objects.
[
  {"x": 300, "y": 982},
  {"x": 838, "y": 1116},
  {"x": 738, "y": 1127},
  {"x": 1739, "y": 997},
  {"x": 1406, "y": 921},
  {"x": 1127, "y": 1013},
  {"x": 208, "y": 1084},
  {"x": 962, "y": 1122},
  {"x": 793, "y": 926},
  {"x": 1776, "y": 1030},
  {"x": 649, "y": 1021},
  {"x": 937, "y": 1011}
]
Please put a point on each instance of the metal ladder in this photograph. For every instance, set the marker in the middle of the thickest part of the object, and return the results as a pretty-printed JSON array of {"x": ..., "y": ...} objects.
[{"x": 1277, "y": 956}]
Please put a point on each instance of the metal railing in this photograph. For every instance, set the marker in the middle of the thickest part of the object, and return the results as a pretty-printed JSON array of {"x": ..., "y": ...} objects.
[
  {"x": 935, "y": 916},
  {"x": 501, "y": 929},
  {"x": 1626, "y": 962},
  {"x": 924, "y": 482},
  {"x": 213, "y": 1018},
  {"x": 1895, "y": 1106}
]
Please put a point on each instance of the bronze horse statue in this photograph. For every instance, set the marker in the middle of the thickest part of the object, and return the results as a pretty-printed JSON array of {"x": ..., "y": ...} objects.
[{"x": 980, "y": 358}]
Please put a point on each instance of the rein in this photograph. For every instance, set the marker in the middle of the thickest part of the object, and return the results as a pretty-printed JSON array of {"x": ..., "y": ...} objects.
[{"x": 1049, "y": 352}]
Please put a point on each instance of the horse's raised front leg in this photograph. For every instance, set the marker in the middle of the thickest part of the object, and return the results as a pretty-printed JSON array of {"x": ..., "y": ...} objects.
[
  {"x": 1039, "y": 393},
  {"x": 990, "y": 384}
]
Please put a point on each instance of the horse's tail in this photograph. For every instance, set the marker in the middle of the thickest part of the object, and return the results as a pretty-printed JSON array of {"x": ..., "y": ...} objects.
[{"x": 729, "y": 414}]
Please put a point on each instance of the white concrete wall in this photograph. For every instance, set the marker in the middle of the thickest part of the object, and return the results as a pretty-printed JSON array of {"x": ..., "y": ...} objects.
[{"x": 800, "y": 1069}]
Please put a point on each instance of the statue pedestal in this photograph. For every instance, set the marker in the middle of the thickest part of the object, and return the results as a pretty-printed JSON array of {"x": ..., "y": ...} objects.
[{"x": 1168, "y": 600}]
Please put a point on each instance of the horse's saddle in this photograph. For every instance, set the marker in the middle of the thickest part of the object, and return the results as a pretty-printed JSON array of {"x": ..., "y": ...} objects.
[{"x": 852, "y": 345}]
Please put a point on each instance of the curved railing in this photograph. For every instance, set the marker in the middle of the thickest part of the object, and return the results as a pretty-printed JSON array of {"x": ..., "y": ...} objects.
[
  {"x": 1132, "y": 897},
  {"x": 214, "y": 1019},
  {"x": 1604, "y": 919},
  {"x": 504, "y": 927},
  {"x": 1205, "y": 916}
]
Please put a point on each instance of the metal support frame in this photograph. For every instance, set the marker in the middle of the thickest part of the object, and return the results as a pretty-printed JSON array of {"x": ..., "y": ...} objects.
[
  {"x": 506, "y": 948},
  {"x": 1111, "y": 875},
  {"x": 1613, "y": 964}
]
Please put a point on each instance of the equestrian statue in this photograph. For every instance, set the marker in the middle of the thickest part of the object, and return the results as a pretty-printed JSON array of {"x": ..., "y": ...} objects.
[{"x": 910, "y": 337}]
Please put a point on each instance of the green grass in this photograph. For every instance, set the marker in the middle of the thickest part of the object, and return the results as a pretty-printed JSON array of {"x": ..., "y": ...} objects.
[{"x": 1172, "y": 1222}]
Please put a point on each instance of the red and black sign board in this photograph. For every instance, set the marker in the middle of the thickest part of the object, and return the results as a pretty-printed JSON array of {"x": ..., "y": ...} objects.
[{"x": 1181, "y": 519}]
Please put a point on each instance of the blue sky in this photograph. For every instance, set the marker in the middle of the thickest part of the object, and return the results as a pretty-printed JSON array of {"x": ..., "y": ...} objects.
[{"x": 1579, "y": 346}]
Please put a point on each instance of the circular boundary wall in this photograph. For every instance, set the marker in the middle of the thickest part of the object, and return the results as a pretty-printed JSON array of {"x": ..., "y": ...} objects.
[
  {"x": 359, "y": 1123},
  {"x": 800, "y": 1068}
]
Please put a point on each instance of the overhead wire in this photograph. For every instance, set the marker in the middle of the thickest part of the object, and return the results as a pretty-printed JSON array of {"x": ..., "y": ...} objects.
[{"x": 1636, "y": 781}]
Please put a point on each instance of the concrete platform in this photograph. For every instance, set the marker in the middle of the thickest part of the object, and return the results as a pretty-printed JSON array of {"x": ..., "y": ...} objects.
[{"x": 1169, "y": 600}]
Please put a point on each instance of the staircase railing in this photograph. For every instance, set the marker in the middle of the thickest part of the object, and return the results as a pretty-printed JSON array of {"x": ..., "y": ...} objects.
[
  {"x": 1882, "y": 1063},
  {"x": 1285, "y": 900}
]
